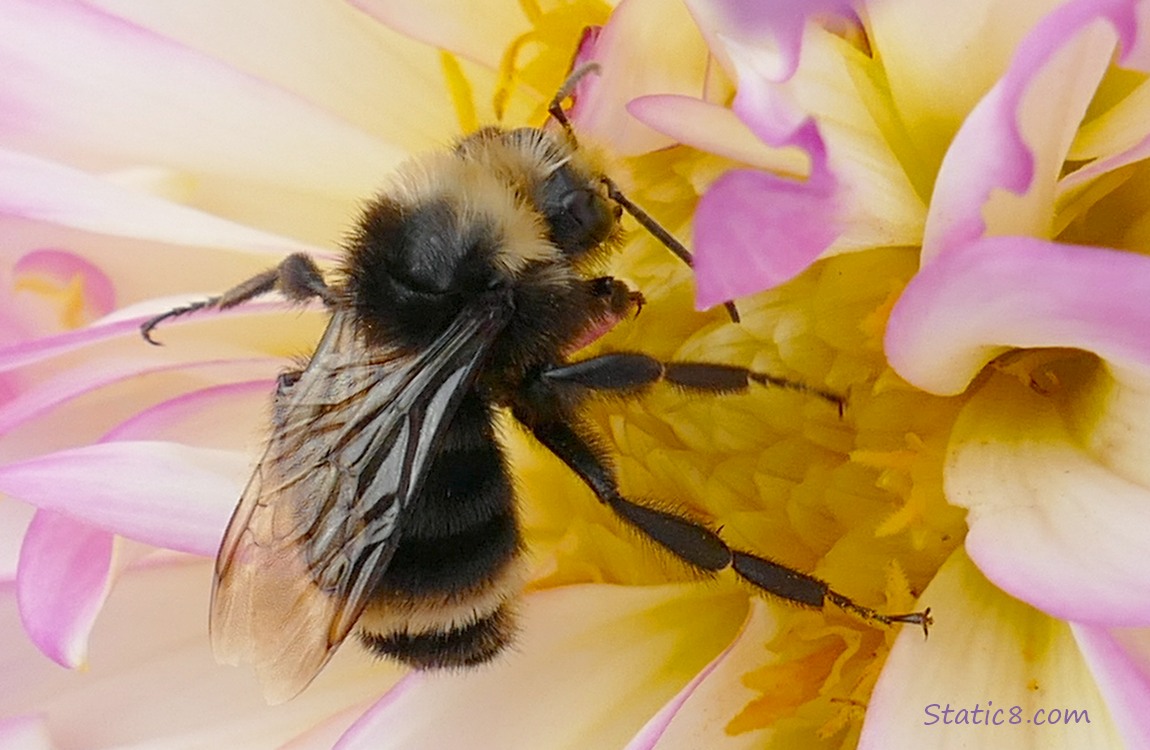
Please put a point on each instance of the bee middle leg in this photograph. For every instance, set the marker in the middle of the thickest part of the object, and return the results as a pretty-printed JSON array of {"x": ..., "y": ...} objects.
[
  {"x": 544, "y": 408},
  {"x": 297, "y": 277},
  {"x": 631, "y": 371}
]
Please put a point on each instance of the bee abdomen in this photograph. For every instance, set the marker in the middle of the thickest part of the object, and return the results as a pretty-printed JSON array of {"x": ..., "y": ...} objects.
[
  {"x": 455, "y": 562},
  {"x": 458, "y": 645},
  {"x": 460, "y": 531},
  {"x": 446, "y": 598}
]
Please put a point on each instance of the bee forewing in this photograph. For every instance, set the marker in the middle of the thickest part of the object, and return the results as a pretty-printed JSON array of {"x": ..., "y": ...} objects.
[
  {"x": 319, "y": 520},
  {"x": 266, "y": 607}
]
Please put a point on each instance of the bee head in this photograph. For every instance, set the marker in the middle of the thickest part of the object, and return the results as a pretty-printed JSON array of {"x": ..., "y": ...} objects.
[
  {"x": 555, "y": 179},
  {"x": 578, "y": 214}
]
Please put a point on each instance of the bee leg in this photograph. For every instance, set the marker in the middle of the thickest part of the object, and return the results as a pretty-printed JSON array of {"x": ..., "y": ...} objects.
[
  {"x": 545, "y": 408},
  {"x": 691, "y": 541},
  {"x": 631, "y": 371},
  {"x": 297, "y": 277},
  {"x": 617, "y": 298}
]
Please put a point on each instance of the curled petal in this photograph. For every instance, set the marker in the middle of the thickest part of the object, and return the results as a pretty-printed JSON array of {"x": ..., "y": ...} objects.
[
  {"x": 1050, "y": 522},
  {"x": 65, "y": 575},
  {"x": 773, "y": 29},
  {"x": 638, "y": 58},
  {"x": 697, "y": 716},
  {"x": 164, "y": 494},
  {"x": 851, "y": 190},
  {"x": 754, "y": 230},
  {"x": 715, "y": 129},
  {"x": 975, "y": 302},
  {"x": 1001, "y": 171},
  {"x": 1025, "y": 662},
  {"x": 87, "y": 290},
  {"x": 1120, "y": 662}
]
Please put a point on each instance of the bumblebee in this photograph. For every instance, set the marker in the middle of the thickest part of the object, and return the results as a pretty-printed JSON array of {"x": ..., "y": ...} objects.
[{"x": 383, "y": 503}]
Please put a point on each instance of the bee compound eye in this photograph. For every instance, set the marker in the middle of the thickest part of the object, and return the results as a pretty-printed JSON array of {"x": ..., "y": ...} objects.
[
  {"x": 584, "y": 219},
  {"x": 583, "y": 208}
]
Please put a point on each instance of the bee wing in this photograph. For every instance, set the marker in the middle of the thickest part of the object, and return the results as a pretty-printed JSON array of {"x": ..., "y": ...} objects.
[{"x": 319, "y": 521}]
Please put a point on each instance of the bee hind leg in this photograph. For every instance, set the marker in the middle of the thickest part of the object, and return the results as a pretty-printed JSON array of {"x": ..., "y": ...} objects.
[
  {"x": 544, "y": 410},
  {"x": 297, "y": 277}
]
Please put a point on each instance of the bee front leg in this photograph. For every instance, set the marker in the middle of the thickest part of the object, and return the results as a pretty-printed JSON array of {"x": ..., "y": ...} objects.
[
  {"x": 297, "y": 277},
  {"x": 617, "y": 298}
]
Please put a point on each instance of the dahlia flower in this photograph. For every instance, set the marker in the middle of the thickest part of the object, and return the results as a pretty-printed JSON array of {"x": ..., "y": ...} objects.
[{"x": 935, "y": 209}]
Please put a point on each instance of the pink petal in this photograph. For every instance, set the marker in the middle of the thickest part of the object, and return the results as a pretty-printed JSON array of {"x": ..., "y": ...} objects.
[
  {"x": 35, "y": 350},
  {"x": 479, "y": 32},
  {"x": 715, "y": 129},
  {"x": 41, "y": 398},
  {"x": 152, "y": 681},
  {"x": 1018, "y": 136},
  {"x": 132, "y": 88},
  {"x": 754, "y": 230},
  {"x": 698, "y": 715},
  {"x": 222, "y": 416},
  {"x": 28, "y": 732},
  {"x": 65, "y": 575},
  {"x": 990, "y": 651},
  {"x": 1080, "y": 178},
  {"x": 129, "y": 242},
  {"x": 978, "y": 300},
  {"x": 35, "y": 189},
  {"x": 773, "y": 29},
  {"x": 1119, "y": 660},
  {"x": 164, "y": 494},
  {"x": 1052, "y": 522},
  {"x": 315, "y": 50},
  {"x": 621, "y": 652},
  {"x": 326, "y": 734},
  {"x": 638, "y": 58},
  {"x": 856, "y": 192},
  {"x": 122, "y": 324},
  {"x": 15, "y": 518}
]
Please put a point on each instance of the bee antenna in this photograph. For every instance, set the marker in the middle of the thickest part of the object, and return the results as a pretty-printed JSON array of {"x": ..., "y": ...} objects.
[
  {"x": 555, "y": 109},
  {"x": 658, "y": 232}
]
